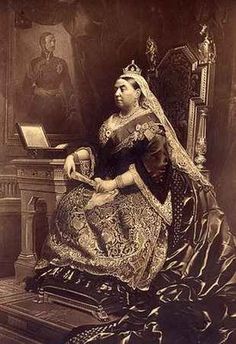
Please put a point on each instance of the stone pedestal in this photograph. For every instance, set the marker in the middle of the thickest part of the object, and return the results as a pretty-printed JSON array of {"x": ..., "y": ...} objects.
[{"x": 38, "y": 180}]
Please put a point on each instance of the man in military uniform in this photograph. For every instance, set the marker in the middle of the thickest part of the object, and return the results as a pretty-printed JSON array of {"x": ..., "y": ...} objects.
[{"x": 49, "y": 86}]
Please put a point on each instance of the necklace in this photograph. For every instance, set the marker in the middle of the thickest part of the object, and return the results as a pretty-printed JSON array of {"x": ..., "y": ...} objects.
[
  {"x": 129, "y": 114},
  {"x": 116, "y": 121},
  {"x": 122, "y": 120}
]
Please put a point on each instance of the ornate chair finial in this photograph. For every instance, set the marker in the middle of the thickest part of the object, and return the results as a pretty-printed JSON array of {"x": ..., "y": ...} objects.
[
  {"x": 207, "y": 48},
  {"x": 151, "y": 53}
]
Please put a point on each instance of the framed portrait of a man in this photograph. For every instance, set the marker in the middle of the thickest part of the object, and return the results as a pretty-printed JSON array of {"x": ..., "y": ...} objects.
[{"x": 41, "y": 80}]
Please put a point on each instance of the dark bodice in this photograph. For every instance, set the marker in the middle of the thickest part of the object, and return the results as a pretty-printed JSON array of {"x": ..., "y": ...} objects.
[
  {"x": 49, "y": 74},
  {"x": 141, "y": 142}
]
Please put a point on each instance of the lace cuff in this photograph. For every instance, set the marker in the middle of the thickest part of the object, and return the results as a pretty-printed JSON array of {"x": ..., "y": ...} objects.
[{"x": 86, "y": 166}]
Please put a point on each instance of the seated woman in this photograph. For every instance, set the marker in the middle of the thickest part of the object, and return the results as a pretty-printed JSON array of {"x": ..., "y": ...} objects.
[{"x": 152, "y": 235}]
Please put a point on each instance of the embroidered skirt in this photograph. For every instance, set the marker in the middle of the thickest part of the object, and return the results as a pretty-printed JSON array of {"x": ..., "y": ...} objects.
[{"x": 125, "y": 238}]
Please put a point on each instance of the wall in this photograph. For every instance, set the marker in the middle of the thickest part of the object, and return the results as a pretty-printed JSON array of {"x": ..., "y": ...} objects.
[
  {"x": 10, "y": 217},
  {"x": 223, "y": 133}
]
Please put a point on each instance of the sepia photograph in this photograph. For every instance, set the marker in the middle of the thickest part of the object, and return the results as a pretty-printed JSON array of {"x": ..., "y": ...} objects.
[{"x": 118, "y": 172}]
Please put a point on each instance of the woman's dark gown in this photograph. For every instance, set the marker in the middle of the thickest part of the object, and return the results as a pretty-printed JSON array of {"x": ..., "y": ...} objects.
[{"x": 163, "y": 240}]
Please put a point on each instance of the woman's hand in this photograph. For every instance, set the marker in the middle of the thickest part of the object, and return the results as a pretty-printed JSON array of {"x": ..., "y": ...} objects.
[
  {"x": 105, "y": 185},
  {"x": 69, "y": 165}
]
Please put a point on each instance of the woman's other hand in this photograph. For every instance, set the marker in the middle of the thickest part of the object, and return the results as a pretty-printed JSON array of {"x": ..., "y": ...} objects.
[
  {"x": 69, "y": 165},
  {"x": 105, "y": 185}
]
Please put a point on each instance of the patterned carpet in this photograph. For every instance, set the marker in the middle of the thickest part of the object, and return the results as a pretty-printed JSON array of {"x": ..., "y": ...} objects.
[{"x": 10, "y": 337}]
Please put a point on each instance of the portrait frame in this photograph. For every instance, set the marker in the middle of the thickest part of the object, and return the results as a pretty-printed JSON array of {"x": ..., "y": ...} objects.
[{"x": 11, "y": 136}]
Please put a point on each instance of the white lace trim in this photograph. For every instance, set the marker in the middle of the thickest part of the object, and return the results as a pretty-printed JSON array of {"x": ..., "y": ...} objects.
[{"x": 164, "y": 210}]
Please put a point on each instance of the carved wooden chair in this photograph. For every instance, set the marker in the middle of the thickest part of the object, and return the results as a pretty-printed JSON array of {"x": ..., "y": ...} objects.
[{"x": 183, "y": 82}]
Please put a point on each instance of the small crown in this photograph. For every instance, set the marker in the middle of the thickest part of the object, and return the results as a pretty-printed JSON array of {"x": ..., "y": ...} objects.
[{"x": 132, "y": 68}]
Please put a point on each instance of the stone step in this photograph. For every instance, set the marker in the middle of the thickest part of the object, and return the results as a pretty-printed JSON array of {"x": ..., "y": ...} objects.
[
  {"x": 9, "y": 336},
  {"x": 45, "y": 323},
  {"x": 49, "y": 323},
  {"x": 33, "y": 322}
]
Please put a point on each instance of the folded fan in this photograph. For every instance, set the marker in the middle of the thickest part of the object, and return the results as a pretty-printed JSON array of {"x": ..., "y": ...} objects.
[{"x": 84, "y": 179}]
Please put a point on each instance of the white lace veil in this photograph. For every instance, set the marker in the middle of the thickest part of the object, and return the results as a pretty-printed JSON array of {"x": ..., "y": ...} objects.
[{"x": 177, "y": 153}]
